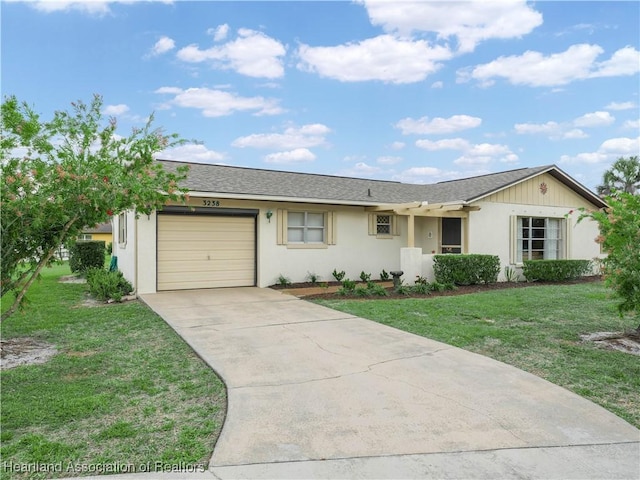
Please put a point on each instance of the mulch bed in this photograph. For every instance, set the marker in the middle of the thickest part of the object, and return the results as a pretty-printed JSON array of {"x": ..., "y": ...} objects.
[{"x": 298, "y": 289}]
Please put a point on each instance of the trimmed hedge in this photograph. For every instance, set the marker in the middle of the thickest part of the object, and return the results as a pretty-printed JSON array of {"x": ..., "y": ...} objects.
[
  {"x": 86, "y": 254},
  {"x": 463, "y": 269},
  {"x": 555, "y": 270}
]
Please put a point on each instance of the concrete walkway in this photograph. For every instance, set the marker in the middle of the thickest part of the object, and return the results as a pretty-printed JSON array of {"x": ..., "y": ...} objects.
[{"x": 316, "y": 393}]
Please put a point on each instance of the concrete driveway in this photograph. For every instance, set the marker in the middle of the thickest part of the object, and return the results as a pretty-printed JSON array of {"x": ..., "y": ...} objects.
[{"x": 316, "y": 393}]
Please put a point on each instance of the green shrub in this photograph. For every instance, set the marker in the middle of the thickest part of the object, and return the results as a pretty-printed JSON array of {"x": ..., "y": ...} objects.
[
  {"x": 555, "y": 270},
  {"x": 384, "y": 275},
  {"x": 313, "y": 277},
  {"x": 84, "y": 255},
  {"x": 377, "y": 290},
  {"x": 338, "y": 275},
  {"x": 441, "y": 287},
  {"x": 365, "y": 277},
  {"x": 421, "y": 288},
  {"x": 466, "y": 269},
  {"x": 106, "y": 285},
  {"x": 348, "y": 285},
  {"x": 283, "y": 281}
]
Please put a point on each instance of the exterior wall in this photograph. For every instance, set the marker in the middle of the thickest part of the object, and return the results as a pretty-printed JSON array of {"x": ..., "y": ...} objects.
[
  {"x": 490, "y": 230},
  {"x": 104, "y": 237},
  {"x": 355, "y": 250}
]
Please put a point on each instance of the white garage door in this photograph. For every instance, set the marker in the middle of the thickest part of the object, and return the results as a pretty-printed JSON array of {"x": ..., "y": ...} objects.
[{"x": 203, "y": 251}]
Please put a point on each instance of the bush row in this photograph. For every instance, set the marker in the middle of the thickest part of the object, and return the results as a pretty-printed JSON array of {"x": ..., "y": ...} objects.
[
  {"x": 84, "y": 255},
  {"x": 555, "y": 270},
  {"x": 466, "y": 269}
]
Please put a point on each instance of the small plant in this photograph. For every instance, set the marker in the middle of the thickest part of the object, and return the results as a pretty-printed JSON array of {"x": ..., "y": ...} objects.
[
  {"x": 365, "y": 277},
  {"x": 106, "y": 285},
  {"x": 361, "y": 292},
  {"x": 338, "y": 275},
  {"x": 403, "y": 289},
  {"x": 313, "y": 277},
  {"x": 377, "y": 290},
  {"x": 421, "y": 288},
  {"x": 384, "y": 275},
  {"x": 348, "y": 285},
  {"x": 510, "y": 274},
  {"x": 441, "y": 287},
  {"x": 421, "y": 280},
  {"x": 284, "y": 281}
]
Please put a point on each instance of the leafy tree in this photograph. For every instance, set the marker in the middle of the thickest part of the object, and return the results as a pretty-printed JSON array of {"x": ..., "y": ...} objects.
[
  {"x": 624, "y": 175},
  {"x": 620, "y": 236},
  {"x": 73, "y": 171}
]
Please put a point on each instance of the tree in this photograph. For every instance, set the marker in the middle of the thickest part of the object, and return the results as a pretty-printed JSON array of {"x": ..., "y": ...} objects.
[
  {"x": 73, "y": 171},
  {"x": 620, "y": 236},
  {"x": 624, "y": 175}
]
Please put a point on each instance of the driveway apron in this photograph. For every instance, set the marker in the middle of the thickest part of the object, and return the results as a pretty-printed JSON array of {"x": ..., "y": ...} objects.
[{"x": 307, "y": 384}]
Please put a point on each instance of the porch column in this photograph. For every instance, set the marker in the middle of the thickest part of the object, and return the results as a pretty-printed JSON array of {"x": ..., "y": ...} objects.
[{"x": 411, "y": 236}]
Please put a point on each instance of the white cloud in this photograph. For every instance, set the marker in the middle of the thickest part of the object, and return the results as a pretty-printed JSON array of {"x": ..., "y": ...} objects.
[
  {"x": 114, "y": 110},
  {"x": 566, "y": 130},
  {"x": 595, "y": 119},
  {"x": 608, "y": 151},
  {"x": 538, "y": 70},
  {"x": 253, "y": 54},
  {"x": 437, "y": 125},
  {"x": 307, "y": 136},
  {"x": 620, "y": 106},
  {"x": 192, "y": 153},
  {"x": 423, "y": 175},
  {"x": 164, "y": 45},
  {"x": 438, "y": 84},
  {"x": 294, "y": 156},
  {"x": 384, "y": 58},
  {"x": 217, "y": 103},
  {"x": 468, "y": 22},
  {"x": 361, "y": 169},
  {"x": 219, "y": 33},
  {"x": 634, "y": 124},
  {"x": 89, "y": 7},
  {"x": 397, "y": 145},
  {"x": 444, "y": 144},
  {"x": 388, "y": 160}
]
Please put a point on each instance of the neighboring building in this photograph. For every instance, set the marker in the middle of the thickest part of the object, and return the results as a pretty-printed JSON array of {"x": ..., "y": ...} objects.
[
  {"x": 101, "y": 232},
  {"x": 246, "y": 227}
]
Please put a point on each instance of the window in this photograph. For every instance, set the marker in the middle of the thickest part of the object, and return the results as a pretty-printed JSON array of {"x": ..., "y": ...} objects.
[
  {"x": 122, "y": 228},
  {"x": 383, "y": 224},
  {"x": 85, "y": 236},
  {"x": 305, "y": 227},
  {"x": 538, "y": 238}
]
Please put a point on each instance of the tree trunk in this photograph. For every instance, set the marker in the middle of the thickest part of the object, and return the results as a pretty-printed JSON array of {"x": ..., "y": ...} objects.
[{"x": 44, "y": 261}]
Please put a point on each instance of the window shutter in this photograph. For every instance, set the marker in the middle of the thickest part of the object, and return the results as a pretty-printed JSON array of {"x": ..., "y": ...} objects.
[
  {"x": 281, "y": 227},
  {"x": 567, "y": 238},
  {"x": 372, "y": 223},
  {"x": 395, "y": 225},
  {"x": 513, "y": 239},
  {"x": 330, "y": 221}
]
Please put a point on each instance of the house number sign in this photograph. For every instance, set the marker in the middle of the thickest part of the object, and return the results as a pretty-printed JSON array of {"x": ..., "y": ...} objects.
[{"x": 210, "y": 203}]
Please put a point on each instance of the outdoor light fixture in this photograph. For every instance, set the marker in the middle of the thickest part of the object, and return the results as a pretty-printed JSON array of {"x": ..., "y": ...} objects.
[{"x": 269, "y": 214}]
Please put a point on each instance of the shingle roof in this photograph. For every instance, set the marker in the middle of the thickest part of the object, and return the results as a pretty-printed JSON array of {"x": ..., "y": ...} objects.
[
  {"x": 225, "y": 179},
  {"x": 101, "y": 228}
]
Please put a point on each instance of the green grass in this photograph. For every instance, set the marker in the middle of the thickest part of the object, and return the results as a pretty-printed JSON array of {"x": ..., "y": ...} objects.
[
  {"x": 122, "y": 389},
  {"x": 536, "y": 329}
]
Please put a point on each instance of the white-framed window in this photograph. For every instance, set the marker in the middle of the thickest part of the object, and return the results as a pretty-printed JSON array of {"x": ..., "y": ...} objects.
[
  {"x": 305, "y": 227},
  {"x": 85, "y": 236},
  {"x": 122, "y": 228},
  {"x": 383, "y": 225},
  {"x": 539, "y": 238}
]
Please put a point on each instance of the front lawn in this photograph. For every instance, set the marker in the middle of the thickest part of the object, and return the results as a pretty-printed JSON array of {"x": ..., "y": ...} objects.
[
  {"x": 535, "y": 328},
  {"x": 123, "y": 391}
]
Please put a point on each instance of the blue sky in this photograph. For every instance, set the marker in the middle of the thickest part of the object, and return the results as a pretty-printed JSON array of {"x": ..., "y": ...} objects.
[{"x": 417, "y": 92}]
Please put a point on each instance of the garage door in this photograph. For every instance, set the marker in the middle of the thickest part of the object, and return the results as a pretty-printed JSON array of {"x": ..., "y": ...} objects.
[{"x": 204, "y": 251}]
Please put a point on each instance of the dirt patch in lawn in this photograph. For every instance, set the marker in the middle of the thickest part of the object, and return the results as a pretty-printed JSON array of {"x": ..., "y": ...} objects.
[
  {"x": 72, "y": 279},
  {"x": 628, "y": 342},
  {"x": 24, "y": 351}
]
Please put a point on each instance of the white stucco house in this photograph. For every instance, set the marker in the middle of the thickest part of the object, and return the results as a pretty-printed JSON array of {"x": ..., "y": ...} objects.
[{"x": 246, "y": 227}]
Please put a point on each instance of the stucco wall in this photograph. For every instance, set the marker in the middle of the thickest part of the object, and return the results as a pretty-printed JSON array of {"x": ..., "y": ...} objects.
[{"x": 490, "y": 230}]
